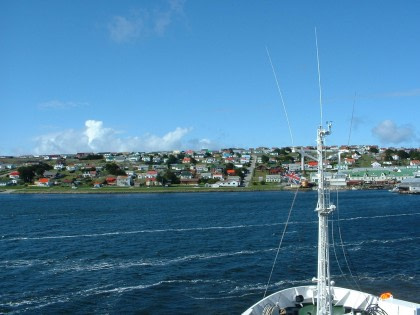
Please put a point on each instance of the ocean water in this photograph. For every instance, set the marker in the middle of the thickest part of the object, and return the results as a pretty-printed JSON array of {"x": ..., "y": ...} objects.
[{"x": 197, "y": 252}]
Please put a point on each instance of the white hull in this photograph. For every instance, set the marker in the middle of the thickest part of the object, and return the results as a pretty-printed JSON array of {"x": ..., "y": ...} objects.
[{"x": 344, "y": 301}]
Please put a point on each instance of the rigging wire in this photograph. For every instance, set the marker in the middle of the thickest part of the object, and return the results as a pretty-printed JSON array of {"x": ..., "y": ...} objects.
[
  {"x": 333, "y": 245},
  {"x": 342, "y": 247},
  {"x": 335, "y": 252},
  {"x": 351, "y": 120},
  {"x": 281, "y": 241},
  {"x": 281, "y": 95},
  {"x": 293, "y": 144}
]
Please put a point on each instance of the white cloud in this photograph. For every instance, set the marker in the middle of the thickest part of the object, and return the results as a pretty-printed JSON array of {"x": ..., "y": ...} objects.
[
  {"x": 122, "y": 29},
  {"x": 388, "y": 132},
  {"x": 145, "y": 23},
  {"x": 97, "y": 138}
]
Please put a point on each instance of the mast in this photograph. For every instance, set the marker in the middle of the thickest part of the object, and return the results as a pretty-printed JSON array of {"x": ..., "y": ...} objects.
[{"x": 323, "y": 208}]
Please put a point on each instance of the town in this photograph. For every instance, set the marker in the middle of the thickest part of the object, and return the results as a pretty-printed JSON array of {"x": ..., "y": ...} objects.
[{"x": 348, "y": 167}]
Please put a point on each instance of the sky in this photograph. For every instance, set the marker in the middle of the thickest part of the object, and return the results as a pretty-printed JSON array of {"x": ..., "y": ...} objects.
[{"x": 99, "y": 76}]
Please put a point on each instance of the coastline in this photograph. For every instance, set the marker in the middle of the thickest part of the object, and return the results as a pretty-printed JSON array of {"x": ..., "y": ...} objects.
[
  {"x": 144, "y": 190},
  {"x": 133, "y": 190}
]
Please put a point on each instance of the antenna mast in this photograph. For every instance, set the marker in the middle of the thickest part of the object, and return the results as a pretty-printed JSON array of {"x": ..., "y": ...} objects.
[
  {"x": 323, "y": 208},
  {"x": 324, "y": 297}
]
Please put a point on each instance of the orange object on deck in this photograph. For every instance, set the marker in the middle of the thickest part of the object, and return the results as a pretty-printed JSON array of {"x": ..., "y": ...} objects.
[{"x": 385, "y": 296}]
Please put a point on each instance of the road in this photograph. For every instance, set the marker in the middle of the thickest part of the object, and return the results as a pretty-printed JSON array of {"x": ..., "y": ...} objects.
[{"x": 248, "y": 177}]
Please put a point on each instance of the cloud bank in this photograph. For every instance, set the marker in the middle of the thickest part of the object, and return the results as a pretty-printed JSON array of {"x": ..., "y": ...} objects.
[
  {"x": 123, "y": 29},
  {"x": 95, "y": 137},
  {"x": 388, "y": 132}
]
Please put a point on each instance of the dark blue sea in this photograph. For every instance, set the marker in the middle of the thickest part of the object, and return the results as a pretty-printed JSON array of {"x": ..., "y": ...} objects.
[{"x": 195, "y": 252}]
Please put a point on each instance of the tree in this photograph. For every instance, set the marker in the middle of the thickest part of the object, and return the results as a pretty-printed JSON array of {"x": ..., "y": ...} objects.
[
  {"x": 171, "y": 160},
  {"x": 114, "y": 169},
  {"x": 26, "y": 173},
  {"x": 171, "y": 177},
  {"x": 403, "y": 155},
  {"x": 92, "y": 157},
  {"x": 40, "y": 168},
  {"x": 230, "y": 166},
  {"x": 373, "y": 150},
  {"x": 414, "y": 155},
  {"x": 265, "y": 159},
  {"x": 240, "y": 173}
]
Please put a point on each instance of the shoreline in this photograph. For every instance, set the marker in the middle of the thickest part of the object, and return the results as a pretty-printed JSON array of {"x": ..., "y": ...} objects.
[{"x": 164, "y": 190}]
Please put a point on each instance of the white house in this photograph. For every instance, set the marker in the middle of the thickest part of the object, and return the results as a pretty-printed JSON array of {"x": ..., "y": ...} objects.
[
  {"x": 124, "y": 181},
  {"x": 273, "y": 178},
  {"x": 375, "y": 165},
  {"x": 226, "y": 183}
]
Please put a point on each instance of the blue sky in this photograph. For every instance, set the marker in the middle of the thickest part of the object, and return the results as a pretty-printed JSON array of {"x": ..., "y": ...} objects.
[{"x": 162, "y": 75}]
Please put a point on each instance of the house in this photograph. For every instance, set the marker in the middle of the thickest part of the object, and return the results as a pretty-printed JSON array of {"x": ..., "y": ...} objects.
[
  {"x": 143, "y": 167},
  {"x": 14, "y": 175},
  {"x": 186, "y": 160},
  {"x": 120, "y": 159},
  {"x": 209, "y": 160},
  {"x": 44, "y": 182},
  {"x": 415, "y": 163},
  {"x": 151, "y": 174},
  {"x": 226, "y": 183},
  {"x": 159, "y": 167},
  {"x": 59, "y": 166},
  {"x": 375, "y": 165},
  {"x": 231, "y": 172},
  {"x": 177, "y": 167},
  {"x": 312, "y": 164},
  {"x": 273, "y": 178},
  {"x": 5, "y": 183},
  {"x": 189, "y": 181},
  {"x": 275, "y": 170},
  {"x": 186, "y": 175},
  {"x": 90, "y": 174},
  {"x": 131, "y": 173},
  {"x": 235, "y": 178},
  {"x": 124, "y": 181},
  {"x": 217, "y": 176},
  {"x": 349, "y": 161},
  {"x": 229, "y": 160},
  {"x": 134, "y": 158},
  {"x": 205, "y": 175},
  {"x": 152, "y": 182},
  {"x": 142, "y": 176},
  {"x": 156, "y": 159},
  {"x": 395, "y": 157},
  {"x": 202, "y": 168},
  {"x": 71, "y": 168},
  {"x": 109, "y": 158},
  {"x": 112, "y": 181}
]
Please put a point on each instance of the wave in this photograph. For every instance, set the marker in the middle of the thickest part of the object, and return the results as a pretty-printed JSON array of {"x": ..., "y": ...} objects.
[
  {"x": 193, "y": 229},
  {"x": 154, "y": 262},
  {"x": 24, "y": 238},
  {"x": 381, "y": 216},
  {"x": 43, "y": 301},
  {"x": 381, "y": 241}
]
